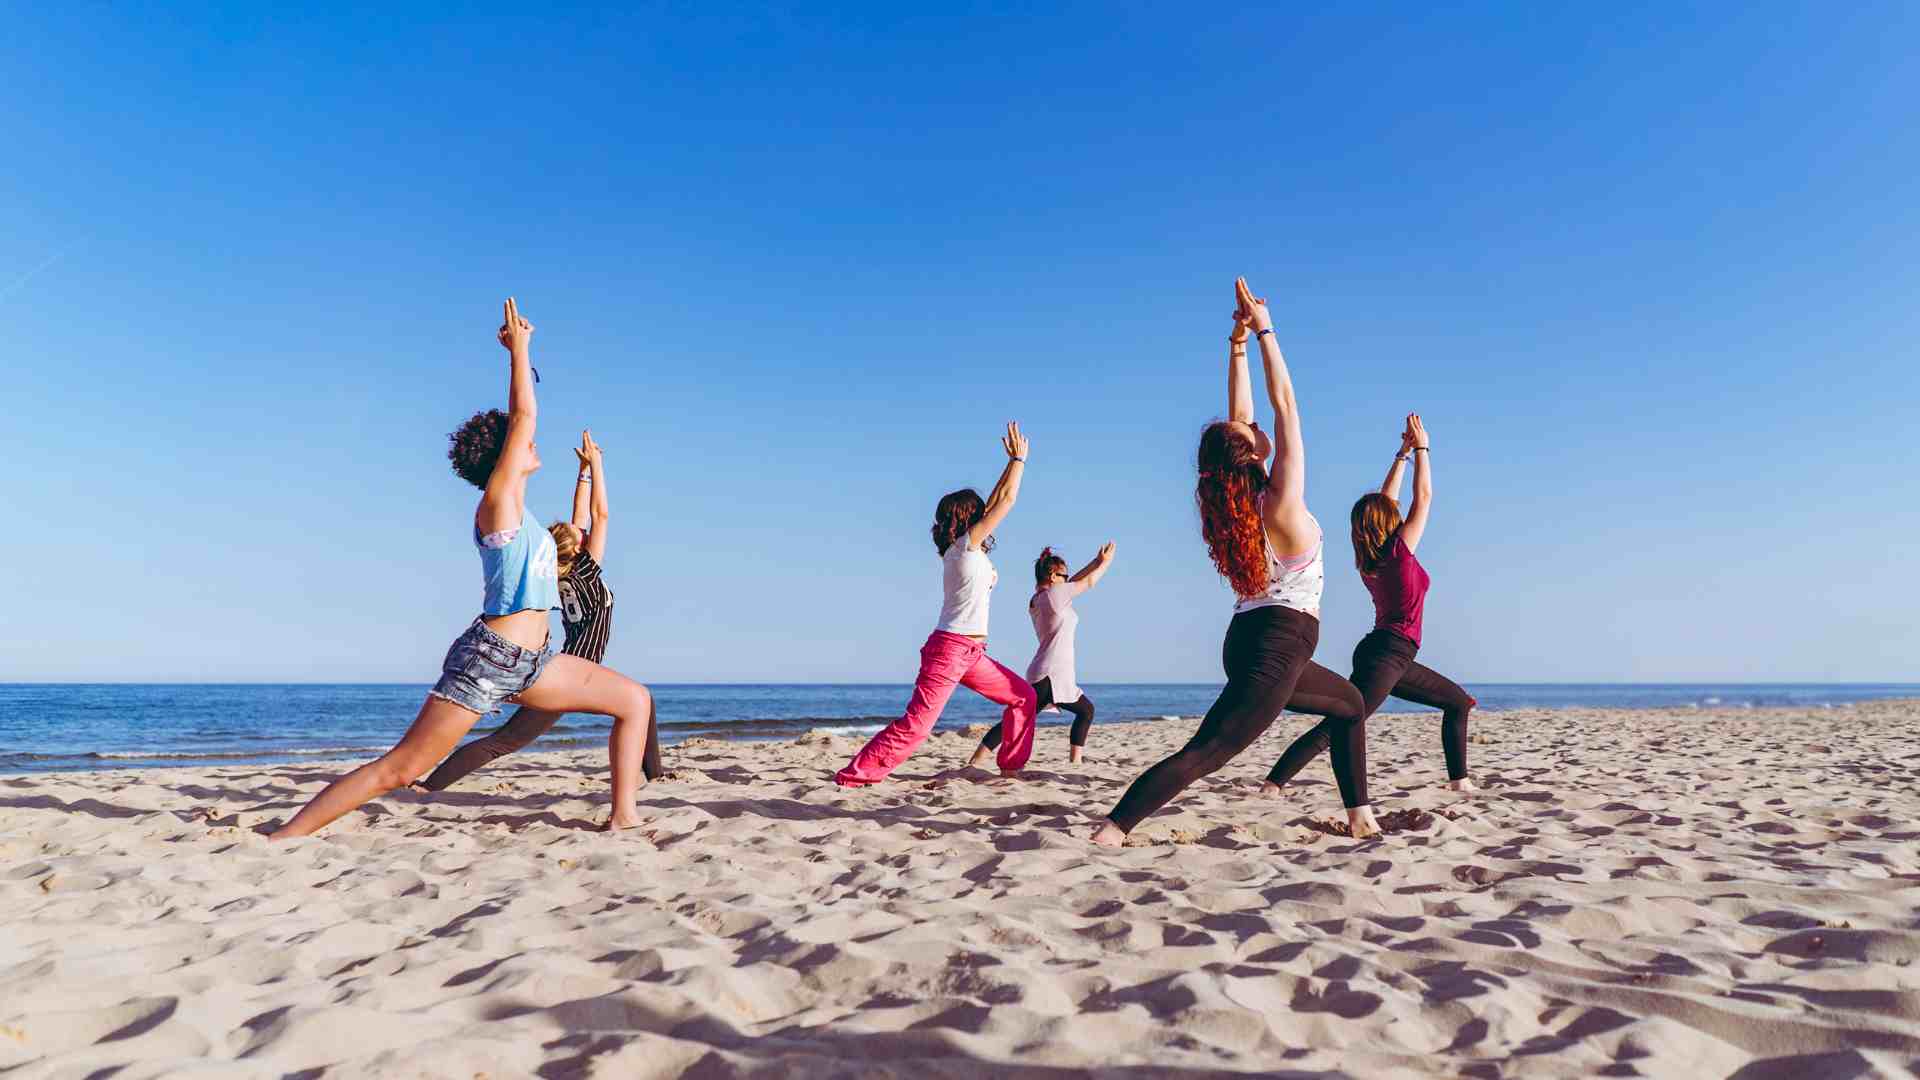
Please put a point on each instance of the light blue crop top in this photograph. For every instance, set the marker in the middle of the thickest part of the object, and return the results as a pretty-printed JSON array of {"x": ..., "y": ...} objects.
[{"x": 520, "y": 568}]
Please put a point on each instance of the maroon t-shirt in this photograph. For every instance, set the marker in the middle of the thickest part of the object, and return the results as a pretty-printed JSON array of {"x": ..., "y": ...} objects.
[{"x": 1399, "y": 589}]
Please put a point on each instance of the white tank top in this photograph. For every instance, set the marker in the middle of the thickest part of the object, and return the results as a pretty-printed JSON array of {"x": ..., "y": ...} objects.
[
  {"x": 1294, "y": 581},
  {"x": 968, "y": 578}
]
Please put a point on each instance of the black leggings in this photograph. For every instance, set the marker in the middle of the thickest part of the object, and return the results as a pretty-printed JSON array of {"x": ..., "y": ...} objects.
[
  {"x": 1082, "y": 711},
  {"x": 1383, "y": 665},
  {"x": 1268, "y": 656},
  {"x": 524, "y": 726}
]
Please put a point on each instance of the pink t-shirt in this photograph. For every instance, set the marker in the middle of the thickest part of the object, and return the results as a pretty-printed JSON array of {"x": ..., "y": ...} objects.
[
  {"x": 1399, "y": 589},
  {"x": 1054, "y": 621}
]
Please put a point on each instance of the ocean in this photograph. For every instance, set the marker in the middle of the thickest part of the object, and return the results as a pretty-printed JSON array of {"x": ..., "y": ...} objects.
[{"x": 58, "y": 727}]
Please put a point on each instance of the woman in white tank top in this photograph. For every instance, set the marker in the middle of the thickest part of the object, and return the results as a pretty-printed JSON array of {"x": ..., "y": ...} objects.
[
  {"x": 1263, "y": 540},
  {"x": 955, "y": 654}
]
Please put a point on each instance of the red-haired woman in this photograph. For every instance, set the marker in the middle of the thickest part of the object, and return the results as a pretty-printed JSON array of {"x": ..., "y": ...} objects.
[
  {"x": 1269, "y": 548},
  {"x": 1383, "y": 661},
  {"x": 956, "y": 652},
  {"x": 504, "y": 655},
  {"x": 1051, "y": 671}
]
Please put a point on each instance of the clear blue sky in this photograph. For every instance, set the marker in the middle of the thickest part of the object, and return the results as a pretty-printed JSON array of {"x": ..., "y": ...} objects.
[{"x": 1648, "y": 271}]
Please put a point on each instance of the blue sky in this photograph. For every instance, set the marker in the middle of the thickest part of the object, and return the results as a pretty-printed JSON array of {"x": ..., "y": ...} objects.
[{"x": 1648, "y": 271}]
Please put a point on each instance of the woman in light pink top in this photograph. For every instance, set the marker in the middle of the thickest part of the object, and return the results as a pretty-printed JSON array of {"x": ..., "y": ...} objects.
[{"x": 1052, "y": 670}]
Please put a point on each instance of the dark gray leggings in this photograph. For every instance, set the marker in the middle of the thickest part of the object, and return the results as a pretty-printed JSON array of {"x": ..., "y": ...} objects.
[
  {"x": 1082, "y": 711},
  {"x": 524, "y": 726},
  {"x": 1383, "y": 666},
  {"x": 1268, "y": 657}
]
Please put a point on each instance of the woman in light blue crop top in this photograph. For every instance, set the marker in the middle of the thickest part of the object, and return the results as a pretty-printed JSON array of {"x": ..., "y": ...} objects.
[{"x": 504, "y": 655}]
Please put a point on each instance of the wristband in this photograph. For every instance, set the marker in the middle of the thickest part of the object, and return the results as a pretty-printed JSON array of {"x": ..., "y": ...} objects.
[
  {"x": 1021, "y": 460},
  {"x": 1419, "y": 449},
  {"x": 586, "y": 478},
  {"x": 1402, "y": 457},
  {"x": 1263, "y": 333}
]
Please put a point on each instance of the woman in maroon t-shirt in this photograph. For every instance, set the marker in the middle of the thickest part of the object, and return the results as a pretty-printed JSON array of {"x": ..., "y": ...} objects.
[{"x": 1383, "y": 662}]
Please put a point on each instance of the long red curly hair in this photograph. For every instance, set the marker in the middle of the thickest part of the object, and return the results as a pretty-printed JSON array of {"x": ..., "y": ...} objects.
[{"x": 1227, "y": 492}]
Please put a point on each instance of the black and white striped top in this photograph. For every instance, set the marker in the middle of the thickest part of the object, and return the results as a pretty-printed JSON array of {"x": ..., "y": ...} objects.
[{"x": 586, "y": 610}]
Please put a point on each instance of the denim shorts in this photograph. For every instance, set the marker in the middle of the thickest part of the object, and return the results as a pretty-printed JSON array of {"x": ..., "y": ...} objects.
[{"x": 483, "y": 670}]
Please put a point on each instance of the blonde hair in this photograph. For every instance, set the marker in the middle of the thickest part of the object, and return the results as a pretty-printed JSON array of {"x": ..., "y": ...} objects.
[
  {"x": 566, "y": 545},
  {"x": 1375, "y": 521}
]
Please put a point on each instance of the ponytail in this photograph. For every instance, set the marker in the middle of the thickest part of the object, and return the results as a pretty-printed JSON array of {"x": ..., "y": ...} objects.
[{"x": 1044, "y": 566}]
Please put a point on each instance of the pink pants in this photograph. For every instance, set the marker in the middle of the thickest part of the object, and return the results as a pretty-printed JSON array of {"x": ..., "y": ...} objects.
[{"x": 946, "y": 661}]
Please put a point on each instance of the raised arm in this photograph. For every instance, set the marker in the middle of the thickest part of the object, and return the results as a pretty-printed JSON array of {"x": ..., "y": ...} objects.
[
  {"x": 1006, "y": 490},
  {"x": 1090, "y": 574},
  {"x": 1287, "y": 476},
  {"x": 1398, "y": 470},
  {"x": 1415, "y": 525},
  {"x": 597, "y": 534},
  {"x": 1239, "y": 384},
  {"x": 583, "y": 488},
  {"x": 505, "y": 498}
]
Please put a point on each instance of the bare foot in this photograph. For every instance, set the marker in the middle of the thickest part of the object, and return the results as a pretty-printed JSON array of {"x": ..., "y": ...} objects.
[
  {"x": 980, "y": 756},
  {"x": 1108, "y": 835},
  {"x": 418, "y": 789},
  {"x": 1012, "y": 774},
  {"x": 1465, "y": 783},
  {"x": 1361, "y": 824},
  {"x": 1074, "y": 756},
  {"x": 1270, "y": 790},
  {"x": 620, "y": 821}
]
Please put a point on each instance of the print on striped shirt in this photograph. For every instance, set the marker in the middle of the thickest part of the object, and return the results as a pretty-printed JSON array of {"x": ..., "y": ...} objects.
[{"x": 586, "y": 610}]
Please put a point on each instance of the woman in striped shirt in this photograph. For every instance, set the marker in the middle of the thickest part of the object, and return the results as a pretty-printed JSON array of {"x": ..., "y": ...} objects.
[{"x": 586, "y": 611}]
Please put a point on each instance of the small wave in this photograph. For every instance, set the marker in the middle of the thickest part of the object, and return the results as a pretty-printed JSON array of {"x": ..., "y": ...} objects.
[
  {"x": 23, "y": 755},
  {"x": 185, "y": 754},
  {"x": 751, "y": 727},
  {"x": 770, "y": 725}
]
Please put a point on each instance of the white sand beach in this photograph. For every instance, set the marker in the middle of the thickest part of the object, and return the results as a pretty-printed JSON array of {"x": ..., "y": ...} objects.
[{"x": 1697, "y": 893}]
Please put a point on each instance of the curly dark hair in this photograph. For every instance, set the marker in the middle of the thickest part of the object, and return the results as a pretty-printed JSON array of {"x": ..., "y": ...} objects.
[
  {"x": 1227, "y": 493},
  {"x": 474, "y": 446},
  {"x": 958, "y": 511}
]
